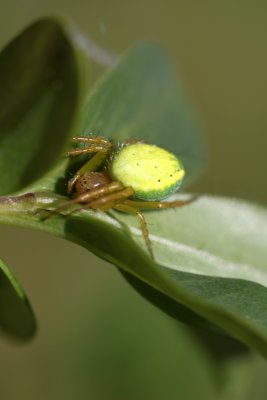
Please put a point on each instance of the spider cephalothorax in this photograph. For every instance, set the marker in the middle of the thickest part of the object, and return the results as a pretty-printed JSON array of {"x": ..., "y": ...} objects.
[{"x": 129, "y": 178}]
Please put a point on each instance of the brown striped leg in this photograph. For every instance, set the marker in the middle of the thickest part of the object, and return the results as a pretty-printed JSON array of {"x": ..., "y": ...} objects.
[
  {"x": 133, "y": 211},
  {"x": 95, "y": 144},
  {"x": 108, "y": 201},
  {"x": 88, "y": 197},
  {"x": 158, "y": 204},
  {"x": 92, "y": 139}
]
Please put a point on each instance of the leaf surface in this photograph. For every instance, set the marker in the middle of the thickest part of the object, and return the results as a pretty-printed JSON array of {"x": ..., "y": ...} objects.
[
  {"x": 141, "y": 97},
  {"x": 193, "y": 279}
]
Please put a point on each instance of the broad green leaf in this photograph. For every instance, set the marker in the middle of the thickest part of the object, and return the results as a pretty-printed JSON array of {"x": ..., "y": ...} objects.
[
  {"x": 205, "y": 260},
  {"x": 141, "y": 98},
  {"x": 16, "y": 316},
  {"x": 197, "y": 279},
  {"x": 39, "y": 98}
]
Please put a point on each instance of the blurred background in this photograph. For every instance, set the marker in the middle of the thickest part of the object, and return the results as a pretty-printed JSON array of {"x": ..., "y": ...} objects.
[{"x": 97, "y": 338}]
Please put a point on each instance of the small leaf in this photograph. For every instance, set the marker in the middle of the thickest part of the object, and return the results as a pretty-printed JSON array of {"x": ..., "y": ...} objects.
[
  {"x": 39, "y": 98},
  {"x": 16, "y": 316}
]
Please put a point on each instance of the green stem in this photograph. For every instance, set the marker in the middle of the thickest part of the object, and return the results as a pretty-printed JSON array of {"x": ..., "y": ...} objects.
[{"x": 29, "y": 202}]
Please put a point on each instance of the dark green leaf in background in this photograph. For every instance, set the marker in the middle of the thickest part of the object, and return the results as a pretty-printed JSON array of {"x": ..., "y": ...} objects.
[
  {"x": 16, "y": 316},
  {"x": 39, "y": 96},
  {"x": 41, "y": 86},
  {"x": 141, "y": 98}
]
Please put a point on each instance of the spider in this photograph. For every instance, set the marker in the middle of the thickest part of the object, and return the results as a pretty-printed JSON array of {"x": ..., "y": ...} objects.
[{"x": 130, "y": 177}]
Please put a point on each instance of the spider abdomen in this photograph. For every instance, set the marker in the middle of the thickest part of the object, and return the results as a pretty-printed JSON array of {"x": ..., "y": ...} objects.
[{"x": 152, "y": 172}]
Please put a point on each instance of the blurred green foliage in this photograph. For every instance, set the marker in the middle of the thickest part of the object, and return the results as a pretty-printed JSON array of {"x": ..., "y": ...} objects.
[{"x": 220, "y": 49}]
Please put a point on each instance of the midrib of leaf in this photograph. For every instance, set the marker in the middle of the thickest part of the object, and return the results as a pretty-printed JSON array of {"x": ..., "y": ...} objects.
[{"x": 210, "y": 264}]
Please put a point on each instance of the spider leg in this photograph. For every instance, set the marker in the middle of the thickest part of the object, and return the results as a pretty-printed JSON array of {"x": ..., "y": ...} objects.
[
  {"x": 88, "y": 197},
  {"x": 95, "y": 144},
  {"x": 92, "y": 139},
  {"x": 133, "y": 207},
  {"x": 98, "y": 145},
  {"x": 85, "y": 150},
  {"x": 136, "y": 212},
  {"x": 158, "y": 204},
  {"x": 109, "y": 200}
]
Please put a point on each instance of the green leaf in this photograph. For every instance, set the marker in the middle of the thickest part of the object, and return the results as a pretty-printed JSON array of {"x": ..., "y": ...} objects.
[
  {"x": 141, "y": 98},
  {"x": 16, "y": 316},
  {"x": 202, "y": 258},
  {"x": 210, "y": 258},
  {"x": 39, "y": 99}
]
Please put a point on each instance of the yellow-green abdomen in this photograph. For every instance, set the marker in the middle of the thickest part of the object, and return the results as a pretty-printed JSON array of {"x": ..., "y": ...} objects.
[{"x": 152, "y": 172}]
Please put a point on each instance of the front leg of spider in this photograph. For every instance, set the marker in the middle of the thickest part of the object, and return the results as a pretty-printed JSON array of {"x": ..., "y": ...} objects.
[{"x": 95, "y": 144}]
